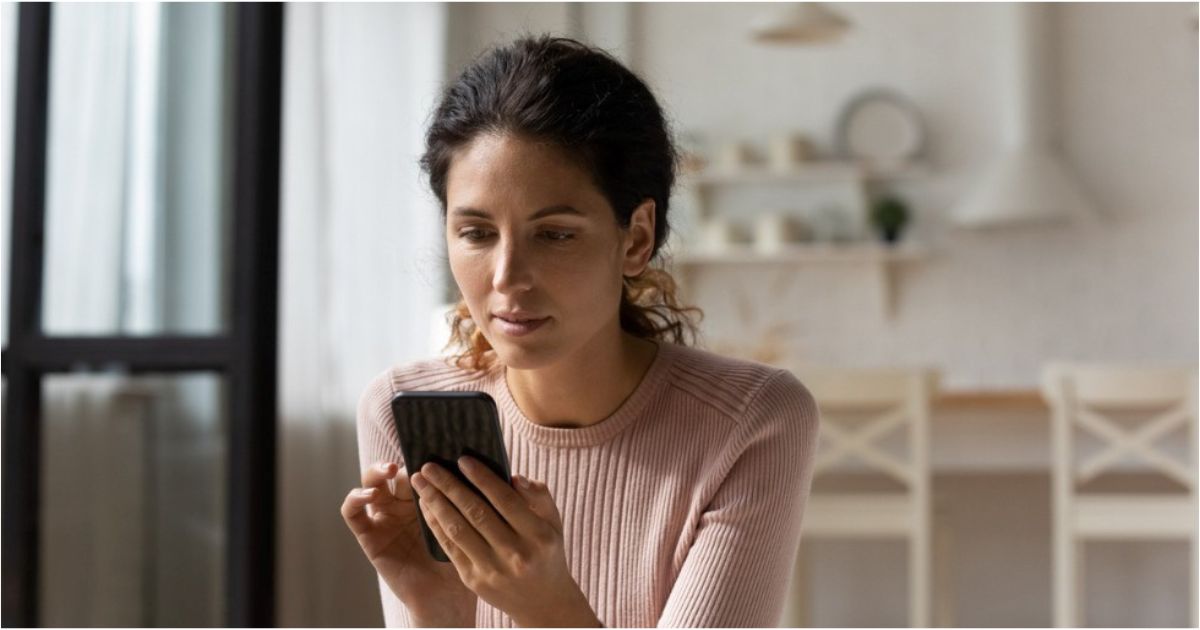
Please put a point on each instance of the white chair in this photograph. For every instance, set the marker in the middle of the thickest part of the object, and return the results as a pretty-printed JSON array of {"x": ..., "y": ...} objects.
[
  {"x": 1092, "y": 398},
  {"x": 892, "y": 400}
]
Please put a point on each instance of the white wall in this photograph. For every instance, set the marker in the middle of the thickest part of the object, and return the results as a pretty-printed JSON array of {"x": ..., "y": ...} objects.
[{"x": 988, "y": 308}]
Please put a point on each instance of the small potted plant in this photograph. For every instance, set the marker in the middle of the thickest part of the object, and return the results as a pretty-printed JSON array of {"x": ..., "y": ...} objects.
[{"x": 889, "y": 215}]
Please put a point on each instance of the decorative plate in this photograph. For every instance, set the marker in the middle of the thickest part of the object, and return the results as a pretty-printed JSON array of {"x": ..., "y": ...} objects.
[{"x": 880, "y": 127}]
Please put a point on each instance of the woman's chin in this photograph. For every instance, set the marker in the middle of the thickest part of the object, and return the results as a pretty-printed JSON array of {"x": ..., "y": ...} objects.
[{"x": 525, "y": 354}]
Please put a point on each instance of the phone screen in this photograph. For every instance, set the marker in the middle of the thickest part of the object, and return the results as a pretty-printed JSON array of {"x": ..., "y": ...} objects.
[{"x": 440, "y": 427}]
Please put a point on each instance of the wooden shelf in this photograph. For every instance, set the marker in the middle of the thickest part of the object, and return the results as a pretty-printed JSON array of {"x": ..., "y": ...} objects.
[
  {"x": 883, "y": 258},
  {"x": 854, "y": 175}
]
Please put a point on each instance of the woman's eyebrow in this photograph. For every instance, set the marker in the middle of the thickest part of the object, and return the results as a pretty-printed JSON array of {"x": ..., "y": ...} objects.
[
  {"x": 467, "y": 211},
  {"x": 557, "y": 209}
]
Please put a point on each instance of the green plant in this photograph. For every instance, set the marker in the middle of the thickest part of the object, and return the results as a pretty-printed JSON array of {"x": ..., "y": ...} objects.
[{"x": 890, "y": 215}]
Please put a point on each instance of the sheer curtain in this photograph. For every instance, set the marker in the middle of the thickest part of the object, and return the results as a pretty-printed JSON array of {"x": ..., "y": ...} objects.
[
  {"x": 361, "y": 271},
  {"x": 134, "y": 506},
  {"x": 132, "y": 516},
  {"x": 86, "y": 166}
]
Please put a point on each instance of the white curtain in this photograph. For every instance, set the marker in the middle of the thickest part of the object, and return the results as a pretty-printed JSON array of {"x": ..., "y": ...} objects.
[
  {"x": 361, "y": 271},
  {"x": 133, "y": 485},
  {"x": 134, "y": 488},
  {"x": 86, "y": 167},
  {"x": 8, "y": 77}
]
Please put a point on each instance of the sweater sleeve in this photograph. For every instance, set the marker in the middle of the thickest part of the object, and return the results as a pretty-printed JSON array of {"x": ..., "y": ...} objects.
[
  {"x": 740, "y": 564},
  {"x": 377, "y": 442}
]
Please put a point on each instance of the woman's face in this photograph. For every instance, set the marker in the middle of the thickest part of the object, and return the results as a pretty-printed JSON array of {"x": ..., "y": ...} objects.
[{"x": 530, "y": 237}]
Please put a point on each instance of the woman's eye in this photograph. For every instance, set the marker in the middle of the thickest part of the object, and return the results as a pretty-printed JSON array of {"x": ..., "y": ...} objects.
[
  {"x": 474, "y": 235},
  {"x": 478, "y": 235},
  {"x": 554, "y": 235}
]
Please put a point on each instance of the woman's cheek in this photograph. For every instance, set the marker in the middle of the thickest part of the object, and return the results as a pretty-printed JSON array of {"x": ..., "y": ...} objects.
[
  {"x": 593, "y": 282},
  {"x": 472, "y": 279}
]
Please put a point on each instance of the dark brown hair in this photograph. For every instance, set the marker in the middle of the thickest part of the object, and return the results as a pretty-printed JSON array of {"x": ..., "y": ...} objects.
[{"x": 597, "y": 111}]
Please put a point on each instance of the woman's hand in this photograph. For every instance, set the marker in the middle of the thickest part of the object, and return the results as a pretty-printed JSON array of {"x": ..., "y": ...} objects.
[
  {"x": 512, "y": 556},
  {"x": 387, "y": 529}
]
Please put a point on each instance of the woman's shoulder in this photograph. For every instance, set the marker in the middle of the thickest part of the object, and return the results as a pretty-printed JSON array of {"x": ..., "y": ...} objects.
[{"x": 740, "y": 388}]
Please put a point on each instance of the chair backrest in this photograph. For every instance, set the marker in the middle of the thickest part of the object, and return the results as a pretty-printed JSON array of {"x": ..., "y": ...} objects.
[
  {"x": 894, "y": 398},
  {"x": 1086, "y": 395}
]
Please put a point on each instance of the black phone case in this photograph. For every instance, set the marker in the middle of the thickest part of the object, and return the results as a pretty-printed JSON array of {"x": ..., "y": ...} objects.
[{"x": 440, "y": 427}]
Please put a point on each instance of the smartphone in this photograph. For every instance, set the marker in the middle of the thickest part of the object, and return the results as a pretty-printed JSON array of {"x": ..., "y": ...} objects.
[{"x": 440, "y": 427}]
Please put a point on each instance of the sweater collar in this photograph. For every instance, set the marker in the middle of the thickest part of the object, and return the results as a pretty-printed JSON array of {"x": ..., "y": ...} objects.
[{"x": 598, "y": 433}]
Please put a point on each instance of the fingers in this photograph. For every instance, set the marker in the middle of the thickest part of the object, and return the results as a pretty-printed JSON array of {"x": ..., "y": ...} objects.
[
  {"x": 378, "y": 489},
  {"x": 399, "y": 487},
  {"x": 378, "y": 474},
  {"x": 354, "y": 509},
  {"x": 460, "y": 559},
  {"x": 539, "y": 499},
  {"x": 512, "y": 506},
  {"x": 455, "y": 526}
]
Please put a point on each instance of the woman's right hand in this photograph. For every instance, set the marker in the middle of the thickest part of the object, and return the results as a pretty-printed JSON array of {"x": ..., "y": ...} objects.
[{"x": 390, "y": 536}]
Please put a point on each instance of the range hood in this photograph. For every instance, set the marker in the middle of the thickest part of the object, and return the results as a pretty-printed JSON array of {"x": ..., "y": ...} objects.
[{"x": 1028, "y": 182}]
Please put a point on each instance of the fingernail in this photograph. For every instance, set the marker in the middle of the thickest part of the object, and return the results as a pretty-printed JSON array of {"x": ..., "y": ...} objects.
[
  {"x": 366, "y": 492},
  {"x": 522, "y": 481},
  {"x": 466, "y": 463},
  {"x": 418, "y": 481},
  {"x": 387, "y": 468},
  {"x": 431, "y": 470}
]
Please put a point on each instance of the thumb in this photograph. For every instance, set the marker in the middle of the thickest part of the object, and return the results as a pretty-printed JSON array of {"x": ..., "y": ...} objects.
[{"x": 537, "y": 495}]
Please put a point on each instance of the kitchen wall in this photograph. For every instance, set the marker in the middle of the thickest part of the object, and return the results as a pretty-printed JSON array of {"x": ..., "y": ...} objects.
[{"x": 988, "y": 308}]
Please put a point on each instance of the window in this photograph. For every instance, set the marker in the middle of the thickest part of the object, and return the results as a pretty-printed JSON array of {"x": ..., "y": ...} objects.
[{"x": 175, "y": 217}]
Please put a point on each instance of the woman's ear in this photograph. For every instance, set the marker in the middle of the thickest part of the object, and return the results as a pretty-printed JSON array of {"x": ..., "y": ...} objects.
[{"x": 639, "y": 239}]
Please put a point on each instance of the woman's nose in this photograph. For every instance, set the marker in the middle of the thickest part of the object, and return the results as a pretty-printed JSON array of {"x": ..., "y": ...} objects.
[{"x": 512, "y": 272}]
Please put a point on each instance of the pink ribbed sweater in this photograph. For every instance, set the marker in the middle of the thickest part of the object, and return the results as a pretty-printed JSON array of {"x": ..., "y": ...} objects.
[{"x": 682, "y": 508}]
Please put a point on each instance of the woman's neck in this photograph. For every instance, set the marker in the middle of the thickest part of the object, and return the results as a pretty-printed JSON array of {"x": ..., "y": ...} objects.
[{"x": 585, "y": 388}]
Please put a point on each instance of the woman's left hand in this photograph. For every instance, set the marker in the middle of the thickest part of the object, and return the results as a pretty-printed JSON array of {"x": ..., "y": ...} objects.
[{"x": 512, "y": 556}]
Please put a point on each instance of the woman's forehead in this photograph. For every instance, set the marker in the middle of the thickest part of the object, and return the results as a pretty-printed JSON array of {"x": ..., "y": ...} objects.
[
  {"x": 509, "y": 155},
  {"x": 506, "y": 175}
]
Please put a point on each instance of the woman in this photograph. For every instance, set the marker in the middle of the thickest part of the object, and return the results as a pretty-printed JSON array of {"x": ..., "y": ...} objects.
[{"x": 654, "y": 483}]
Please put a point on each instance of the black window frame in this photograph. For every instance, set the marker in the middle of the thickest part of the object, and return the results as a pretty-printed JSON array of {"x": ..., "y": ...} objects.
[{"x": 245, "y": 354}]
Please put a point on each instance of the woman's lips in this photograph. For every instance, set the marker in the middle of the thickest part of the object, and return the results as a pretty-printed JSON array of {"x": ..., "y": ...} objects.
[{"x": 517, "y": 329}]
